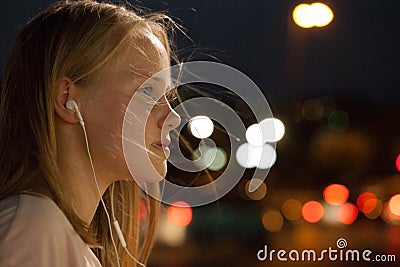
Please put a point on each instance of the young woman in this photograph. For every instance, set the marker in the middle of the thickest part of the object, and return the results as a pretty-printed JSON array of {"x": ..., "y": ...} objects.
[{"x": 78, "y": 60}]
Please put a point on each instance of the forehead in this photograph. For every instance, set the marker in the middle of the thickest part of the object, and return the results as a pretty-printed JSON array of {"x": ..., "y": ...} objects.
[{"x": 146, "y": 56}]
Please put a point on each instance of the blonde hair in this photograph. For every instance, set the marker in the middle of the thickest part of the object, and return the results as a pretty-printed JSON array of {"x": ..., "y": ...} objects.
[{"x": 73, "y": 39}]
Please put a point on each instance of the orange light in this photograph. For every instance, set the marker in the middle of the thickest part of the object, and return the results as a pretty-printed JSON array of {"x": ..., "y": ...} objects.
[
  {"x": 312, "y": 211},
  {"x": 272, "y": 221},
  {"x": 336, "y": 194},
  {"x": 367, "y": 202},
  {"x": 394, "y": 205},
  {"x": 347, "y": 213},
  {"x": 291, "y": 209},
  {"x": 180, "y": 213},
  {"x": 376, "y": 212},
  {"x": 388, "y": 215}
]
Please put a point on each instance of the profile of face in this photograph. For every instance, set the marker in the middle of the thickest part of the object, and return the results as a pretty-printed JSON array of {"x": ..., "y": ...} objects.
[{"x": 105, "y": 102}]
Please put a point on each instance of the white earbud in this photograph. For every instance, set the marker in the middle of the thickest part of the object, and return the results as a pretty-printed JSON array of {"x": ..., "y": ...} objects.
[{"x": 71, "y": 104}]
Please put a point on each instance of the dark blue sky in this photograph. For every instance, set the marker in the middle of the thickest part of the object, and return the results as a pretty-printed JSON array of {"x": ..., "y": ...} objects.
[{"x": 356, "y": 57}]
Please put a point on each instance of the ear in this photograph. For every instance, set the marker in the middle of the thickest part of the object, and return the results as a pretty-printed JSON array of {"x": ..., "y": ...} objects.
[{"x": 65, "y": 90}]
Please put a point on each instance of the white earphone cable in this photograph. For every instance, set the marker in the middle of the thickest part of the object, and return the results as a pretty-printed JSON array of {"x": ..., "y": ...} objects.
[
  {"x": 71, "y": 104},
  {"x": 98, "y": 191}
]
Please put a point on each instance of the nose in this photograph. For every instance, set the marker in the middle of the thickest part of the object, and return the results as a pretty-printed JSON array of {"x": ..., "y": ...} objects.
[{"x": 171, "y": 119}]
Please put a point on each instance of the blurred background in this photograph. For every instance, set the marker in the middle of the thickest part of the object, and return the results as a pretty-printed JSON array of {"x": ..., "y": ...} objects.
[{"x": 334, "y": 90}]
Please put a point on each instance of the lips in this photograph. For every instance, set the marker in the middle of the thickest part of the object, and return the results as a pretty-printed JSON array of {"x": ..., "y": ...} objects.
[{"x": 163, "y": 146}]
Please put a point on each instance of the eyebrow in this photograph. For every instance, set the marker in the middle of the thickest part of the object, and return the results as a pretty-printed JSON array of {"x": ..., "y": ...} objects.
[{"x": 131, "y": 70}]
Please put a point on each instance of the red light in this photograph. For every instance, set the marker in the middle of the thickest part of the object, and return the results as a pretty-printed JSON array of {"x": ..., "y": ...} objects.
[
  {"x": 180, "y": 213},
  {"x": 398, "y": 163},
  {"x": 142, "y": 210},
  {"x": 336, "y": 194},
  {"x": 347, "y": 213},
  {"x": 366, "y": 202},
  {"x": 312, "y": 211}
]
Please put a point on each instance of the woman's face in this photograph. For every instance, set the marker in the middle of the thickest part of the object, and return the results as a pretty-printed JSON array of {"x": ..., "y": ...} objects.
[{"x": 104, "y": 105}]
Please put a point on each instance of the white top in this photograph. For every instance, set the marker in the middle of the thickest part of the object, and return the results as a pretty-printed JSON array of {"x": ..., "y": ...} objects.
[{"x": 35, "y": 232}]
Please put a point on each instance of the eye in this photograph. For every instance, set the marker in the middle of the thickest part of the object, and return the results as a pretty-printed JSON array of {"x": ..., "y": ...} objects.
[{"x": 147, "y": 89}]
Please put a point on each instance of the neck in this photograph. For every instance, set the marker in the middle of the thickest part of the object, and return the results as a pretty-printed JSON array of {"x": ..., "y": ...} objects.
[{"x": 78, "y": 181}]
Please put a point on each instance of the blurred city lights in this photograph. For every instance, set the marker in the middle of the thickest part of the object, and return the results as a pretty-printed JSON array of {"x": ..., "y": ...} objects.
[
  {"x": 262, "y": 157},
  {"x": 312, "y": 110},
  {"x": 272, "y": 221},
  {"x": 273, "y": 129},
  {"x": 376, "y": 212},
  {"x": 366, "y": 202},
  {"x": 180, "y": 213},
  {"x": 336, "y": 194},
  {"x": 388, "y": 216},
  {"x": 347, "y": 213},
  {"x": 398, "y": 163},
  {"x": 170, "y": 234},
  {"x": 259, "y": 193},
  {"x": 330, "y": 214},
  {"x": 201, "y": 126},
  {"x": 268, "y": 130},
  {"x": 213, "y": 158},
  {"x": 312, "y": 211},
  {"x": 338, "y": 121},
  {"x": 314, "y": 15},
  {"x": 394, "y": 204},
  {"x": 291, "y": 209},
  {"x": 254, "y": 135}
]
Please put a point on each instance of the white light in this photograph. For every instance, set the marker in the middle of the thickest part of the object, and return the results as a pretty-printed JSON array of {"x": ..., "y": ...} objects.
[
  {"x": 267, "y": 158},
  {"x": 302, "y": 16},
  {"x": 262, "y": 157},
  {"x": 268, "y": 130},
  {"x": 254, "y": 135},
  {"x": 272, "y": 130},
  {"x": 201, "y": 126},
  {"x": 322, "y": 14}
]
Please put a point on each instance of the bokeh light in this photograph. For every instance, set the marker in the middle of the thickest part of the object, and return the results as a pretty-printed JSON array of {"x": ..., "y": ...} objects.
[
  {"x": 254, "y": 135},
  {"x": 259, "y": 193},
  {"x": 213, "y": 158},
  {"x": 387, "y": 214},
  {"x": 312, "y": 211},
  {"x": 347, "y": 213},
  {"x": 272, "y": 129},
  {"x": 268, "y": 130},
  {"x": 394, "y": 204},
  {"x": 272, "y": 221},
  {"x": 180, "y": 213},
  {"x": 366, "y": 202},
  {"x": 201, "y": 126},
  {"x": 291, "y": 209},
  {"x": 376, "y": 212},
  {"x": 312, "y": 110},
  {"x": 142, "y": 210},
  {"x": 338, "y": 121},
  {"x": 336, "y": 194},
  {"x": 262, "y": 157},
  {"x": 398, "y": 163},
  {"x": 314, "y": 15}
]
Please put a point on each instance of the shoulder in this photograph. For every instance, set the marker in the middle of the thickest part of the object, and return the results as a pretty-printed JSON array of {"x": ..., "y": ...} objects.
[{"x": 33, "y": 229}]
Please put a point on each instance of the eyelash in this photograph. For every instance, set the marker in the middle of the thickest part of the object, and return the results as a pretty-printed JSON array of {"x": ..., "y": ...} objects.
[{"x": 146, "y": 89}]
